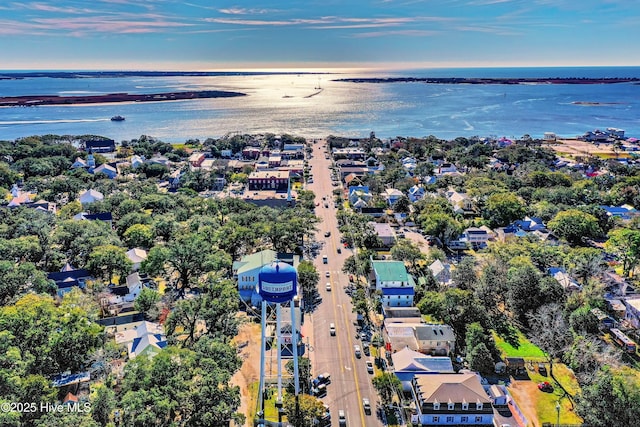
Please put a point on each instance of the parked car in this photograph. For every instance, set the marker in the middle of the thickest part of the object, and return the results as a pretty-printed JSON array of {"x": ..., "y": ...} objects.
[
  {"x": 369, "y": 366},
  {"x": 542, "y": 370},
  {"x": 327, "y": 274},
  {"x": 319, "y": 391},
  {"x": 342, "y": 418},
  {"x": 546, "y": 387},
  {"x": 339, "y": 250},
  {"x": 324, "y": 378}
]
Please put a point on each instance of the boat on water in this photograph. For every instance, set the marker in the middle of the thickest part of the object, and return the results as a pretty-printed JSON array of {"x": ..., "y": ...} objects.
[{"x": 117, "y": 119}]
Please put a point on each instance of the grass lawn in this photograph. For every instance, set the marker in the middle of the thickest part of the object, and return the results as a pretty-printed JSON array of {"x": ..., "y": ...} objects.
[
  {"x": 270, "y": 411},
  {"x": 546, "y": 402},
  {"x": 525, "y": 349}
]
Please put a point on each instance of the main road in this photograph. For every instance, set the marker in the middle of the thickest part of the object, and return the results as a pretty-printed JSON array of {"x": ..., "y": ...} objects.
[{"x": 350, "y": 382}]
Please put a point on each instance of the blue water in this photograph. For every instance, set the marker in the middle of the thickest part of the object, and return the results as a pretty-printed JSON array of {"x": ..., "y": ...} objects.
[{"x": 281, "y": 104}]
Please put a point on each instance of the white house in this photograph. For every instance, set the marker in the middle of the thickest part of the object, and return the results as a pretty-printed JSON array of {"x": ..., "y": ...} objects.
[
  {"x": 395, "y": 284},
  {"x": 136, "y": 161},
  {"x": 90, "y": 196},
  {"x": 147, "y": 338},
  {"x": 476, "y": 236},
  {"x": 392, "y": 195},
  {"x": 416, "y": 193},
  {"x": 409, "y": 363},
  {"x": 441, "y": 272},
  {"x": 451, "y": 399},
  {"x": 136, "y": 256},
  {"x": 460, "y": 201},
  {"x": 106, "y": 169}
]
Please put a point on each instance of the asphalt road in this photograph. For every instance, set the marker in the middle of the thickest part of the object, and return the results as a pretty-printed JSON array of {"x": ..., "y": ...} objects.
[{"x": 350, "y": 381}]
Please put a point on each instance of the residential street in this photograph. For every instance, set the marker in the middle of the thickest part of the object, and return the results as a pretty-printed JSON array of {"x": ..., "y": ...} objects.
[{"x": 350, "y": 382}]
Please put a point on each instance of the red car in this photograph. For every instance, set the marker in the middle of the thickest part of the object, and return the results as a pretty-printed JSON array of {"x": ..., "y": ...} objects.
[{"x": 546, "y": 387}]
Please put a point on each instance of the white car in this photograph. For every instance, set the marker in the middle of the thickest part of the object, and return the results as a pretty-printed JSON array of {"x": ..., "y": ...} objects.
[
  {"x": 328, "y": 287},
  {"x": 369, "y": 366},
  {"x": 327, "y": 274},
  {"x": 356, "y": 349}
]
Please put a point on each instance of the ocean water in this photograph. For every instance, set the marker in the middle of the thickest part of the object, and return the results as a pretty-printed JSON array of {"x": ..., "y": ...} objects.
[{"x": 292, "y": 104}]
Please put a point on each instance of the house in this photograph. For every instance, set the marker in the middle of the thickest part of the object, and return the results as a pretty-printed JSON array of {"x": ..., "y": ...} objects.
[
  {"x": 68, "y": 278},
  {"x": 196, "y": 159},
  {"x": 136, "y": 256},
  {"x": 246, "y": 270},
  {"x": 123, "y": 321},
  {"x": 475, "y": 236},
  {"x": 359, "y": 192},
  {"x": 121, "y": 296},
  {"x": 565, "y": 280},
  {"x": 408, "y": 364},
  {"x": 447, "y": 169},
  {"x": 79, "y": 163},
  {"x": 101, "y": 216},
  {"x": 44, "y": 206},
  {"x": 409, "y": 164},
  {"x": 624, "y": 212},
  {"x": 451, "y": 399},
  {"x": 103, "y": 145},
  {"x": 460, "y": 201},
  {"x": 146, "y": 338},
  {"x": 106, "y": 169},
  {"x": 19, "y": 197},
  {"x": 384, "y": 232},
  {"x": 416, "y": 193},
  {"x": 392, "y": 195},
  {"x": 425, "y": 338},
  {"x": 90, "y": 196},
  {"x": 269, "y": 180},
  {"x": 441, "y": 272},
  {"x": 349, "y": 153},
  {"x": 632, "y": 310},
  {"x": 136, "y": 161},
  {"x": 395, "y": 284}
]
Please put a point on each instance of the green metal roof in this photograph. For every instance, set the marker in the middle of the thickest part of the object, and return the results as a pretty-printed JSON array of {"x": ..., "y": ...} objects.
[
  {"x": 257, "y": 260},
  {"x": 390, "y": 271}
]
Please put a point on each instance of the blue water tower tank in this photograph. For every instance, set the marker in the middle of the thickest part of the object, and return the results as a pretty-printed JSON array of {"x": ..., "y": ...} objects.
[{"x": 277, "y": 282}]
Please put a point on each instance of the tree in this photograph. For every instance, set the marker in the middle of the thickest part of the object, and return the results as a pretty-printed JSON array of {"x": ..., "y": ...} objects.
[
  {"x": 103, "y": 404},
  {"x": 402, "y": 204},
  {"x": 213, "y": 314},
  {"x": 147, "y": 303},
  {"x": 612, "y": 399},
  {"x": 550, "y": 332},
  {"x": 480, "y": 359},
  {"x": 310, "y": 408},
  {"x": 304, "y": 375},
  {"x": 139, "y": 236},
  {"x": 388, "y": 385},
  {"x": 440, "y": 225},
  {"x": 503, "y": 208},
  {"x": 406, "y": 250},
  {"x": 16, "y": 279},
  {"x": 107, "y": 260},
  {"x": 625, "y": 244},
  {"x": 308, "y": 279},
  {"x": 180, "y": 386},
  {"x": 575, "y": 226},
  {"x": 464, "y": 276},
  {"x": 586, "y": 263}
]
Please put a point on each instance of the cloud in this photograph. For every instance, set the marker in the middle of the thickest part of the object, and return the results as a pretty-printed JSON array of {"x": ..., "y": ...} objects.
[
  {"x": 136, "y": 23},
  {"x": 329, "y": 22},
  {"x": 44, "y": 7},
  {"x": 244, "y": 11},
  {"x": 406, "y": 33}
]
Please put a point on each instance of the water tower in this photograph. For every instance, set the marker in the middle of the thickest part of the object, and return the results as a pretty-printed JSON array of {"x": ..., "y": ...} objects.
[{"x": 277, "y": 285}]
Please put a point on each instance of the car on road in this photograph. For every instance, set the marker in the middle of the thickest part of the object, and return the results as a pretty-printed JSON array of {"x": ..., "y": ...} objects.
[
  {"x": 357, "y": 351},
  {"x": 542, "y": 370},
  {"x": 326, "y": 205},
  {"x": 369, "y": 364},
  {"x": 328, "y": 287},
  {"x": 339, "y": 250},
  {"x": 325, "y": 260},
  {"x": 327, "y": 274},
  {"x": 366, "y": 405},
  {"x": 342, "y": 418},
  {"x": 546, "y": 387},
  {"x": 327, "y": 233},
  {"x": 332, "y": 329}
]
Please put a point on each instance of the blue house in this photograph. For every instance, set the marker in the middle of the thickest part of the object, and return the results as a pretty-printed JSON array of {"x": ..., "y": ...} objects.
[{"x": 68, "y": 278}]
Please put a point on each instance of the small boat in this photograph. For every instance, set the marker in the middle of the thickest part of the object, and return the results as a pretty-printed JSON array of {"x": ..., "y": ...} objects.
[{"x": 117, "y": 119}]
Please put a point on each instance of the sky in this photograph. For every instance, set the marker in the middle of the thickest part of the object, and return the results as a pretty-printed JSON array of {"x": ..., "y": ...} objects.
[{"x": 322, "y": 34}]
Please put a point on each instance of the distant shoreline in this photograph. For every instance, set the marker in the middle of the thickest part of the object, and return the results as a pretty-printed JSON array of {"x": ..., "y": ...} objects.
[
  {"x": 493, "y": 81},
  {"x": 36, "y": 100}
]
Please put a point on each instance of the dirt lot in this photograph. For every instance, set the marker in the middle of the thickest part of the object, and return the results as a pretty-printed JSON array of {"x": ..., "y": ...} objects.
[
  {"x": 574, "y": 147},
  {"x": 249, "y": 373}
]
